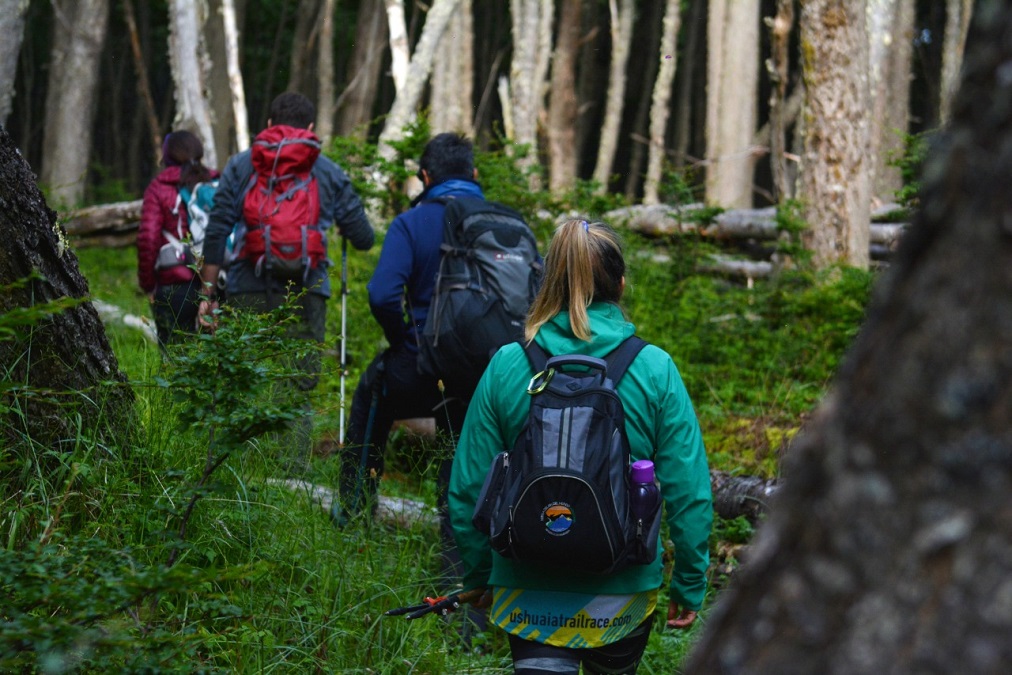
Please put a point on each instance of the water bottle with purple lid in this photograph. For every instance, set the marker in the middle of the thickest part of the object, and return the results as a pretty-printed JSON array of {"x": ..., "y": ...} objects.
[{"x": 644, "y": 496}]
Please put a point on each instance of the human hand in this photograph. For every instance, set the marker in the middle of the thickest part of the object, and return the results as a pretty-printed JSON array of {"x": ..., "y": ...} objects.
[
  {"x": 206, "y": 315},
  {"x": 482, "y": 598},
  {"x": 680, "y": 618}
]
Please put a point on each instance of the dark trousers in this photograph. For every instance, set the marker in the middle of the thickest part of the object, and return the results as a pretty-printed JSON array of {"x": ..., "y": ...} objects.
[
  {"x": 390, "y": 389},
  {"x": 311, "y": 325},
  {"x": 175, "y": 310}
]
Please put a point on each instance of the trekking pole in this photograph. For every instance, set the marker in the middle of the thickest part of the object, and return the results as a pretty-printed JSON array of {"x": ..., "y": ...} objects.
[
  {"x": 442, "y": 605},
  {"x": 377, "y": 388},
  {"x": 344, "y": 334}
]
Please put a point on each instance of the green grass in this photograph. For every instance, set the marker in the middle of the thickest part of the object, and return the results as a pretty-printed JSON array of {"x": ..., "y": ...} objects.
[{"x": 263, "y": 582}]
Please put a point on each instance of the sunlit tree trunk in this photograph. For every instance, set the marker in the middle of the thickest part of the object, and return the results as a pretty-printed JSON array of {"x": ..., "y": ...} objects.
[
  {"x": 410, "y": 92},
  {"x": 12, "y": 29},
  {"x": 888, "y": 548},
  {"x": 834, "y": 183},
  {"x": 531, "y": 31},
  {"x": 957, "y": 21},
  {"x": 731, "y": 90},
  {"x": 325, "y": 73},
  {"x": 452, "y": 86},
  {"x": 189, "y": 58},
  {"x": 363, "y": 74},
  {"x": 79, "y": 33},
  {"x": 622, "y": 18},
  {"x": 563, "y": 106},
  {"x": 660, "y": 106},
  {"x": 240, "y": 115},
  {"x": 400, "y": 52}
]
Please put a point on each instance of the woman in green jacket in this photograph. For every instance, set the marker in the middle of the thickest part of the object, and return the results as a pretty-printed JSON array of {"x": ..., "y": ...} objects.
[{"x": 556, "y": 617}]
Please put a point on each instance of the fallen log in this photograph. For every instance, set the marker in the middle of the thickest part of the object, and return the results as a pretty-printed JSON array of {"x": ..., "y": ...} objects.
[
  {"x": 103, "y": 218},
  {"x": 659, "y": 220},
  {"x": 747, "y": 496}
]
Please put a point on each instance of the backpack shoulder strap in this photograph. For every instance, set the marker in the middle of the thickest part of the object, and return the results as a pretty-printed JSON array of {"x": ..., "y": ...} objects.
[
  {"x": 620, "y": 358},
  {"x": 536, "y": 356}
]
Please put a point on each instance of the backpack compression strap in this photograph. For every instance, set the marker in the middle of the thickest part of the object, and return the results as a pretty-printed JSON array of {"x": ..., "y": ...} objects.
[{"x": 618, "y": 359}]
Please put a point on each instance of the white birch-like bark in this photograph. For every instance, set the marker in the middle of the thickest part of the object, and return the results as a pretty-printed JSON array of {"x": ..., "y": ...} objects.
[
  {"x": 452, "y": 86},
  {"x": 187, "y": 56},
  {"x": 957, "y": 22},
  {"x": 70, "y": 102},
  {"x": 408, "y": 96},
  {"x": 660, "y": 104},
  {"x": 240, "y": 114},
  {"x": 325, "y": 74},
  {"x": 731, "y": 90},
  {"x": 622, "y": 19},
  {"x": 12, "y": 31},
  {"x": 400, "y": 57},
  {"x": 531, "y": 32}
]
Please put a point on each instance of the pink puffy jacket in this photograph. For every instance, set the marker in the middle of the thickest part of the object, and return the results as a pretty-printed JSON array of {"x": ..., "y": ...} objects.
[{"x": 157, "y": 217}]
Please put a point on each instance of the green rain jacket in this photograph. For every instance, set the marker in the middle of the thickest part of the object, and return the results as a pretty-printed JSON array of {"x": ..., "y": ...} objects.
[{"x": 661, "y": 425}]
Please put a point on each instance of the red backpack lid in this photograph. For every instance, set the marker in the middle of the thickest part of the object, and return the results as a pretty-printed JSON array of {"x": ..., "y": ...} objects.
[{"x": 281, "y": 150}]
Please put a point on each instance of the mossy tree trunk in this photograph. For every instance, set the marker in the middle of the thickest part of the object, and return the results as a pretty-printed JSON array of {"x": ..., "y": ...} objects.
[
  {"x": 888, "y": 548},
  {"x": 60, "y": 376}
]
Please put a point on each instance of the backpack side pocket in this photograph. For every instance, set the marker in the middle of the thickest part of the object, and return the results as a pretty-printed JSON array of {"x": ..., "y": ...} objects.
[{"x": 491, "y": 492}]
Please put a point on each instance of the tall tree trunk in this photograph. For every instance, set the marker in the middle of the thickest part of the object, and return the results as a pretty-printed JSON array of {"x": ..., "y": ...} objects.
[
  {"x": 731, "y": 90},
  {"x": 622, "y": 18},
  {"x": 304, "y": 40},
  {"x": 532, "y": 20},
  {"x": 452, "y": 89},
  {"x": 686, "y": 96},
  {"x": 890, "y": 34},
  {"x": 660, "y": 106},
  {"x": 400, "y": 50},
  {"x": 240, "y": 115},
  {"x": 563, "y": 106},
  {"x": 888, "y": 548},
  {"x": 213, "y": 60},
  {"x": 68, "y": 380},
  {"x": 410, "y": 93},
  {"x": 957, "y": 20},
  {"x": 71, "y": 97},
  {"x": 834, "y": 183},
  {"x": 778, "y": 67},
  {"x": 143, "y": 85},
  {"x": 325, "y": 73},
  {"x": 364, "y": 66},
  {"x": 12, "y": 30},
  {"x": 898, "y": 116},
  {"x": 644, "y": 77},
  {"x": 188, "y": 54}
]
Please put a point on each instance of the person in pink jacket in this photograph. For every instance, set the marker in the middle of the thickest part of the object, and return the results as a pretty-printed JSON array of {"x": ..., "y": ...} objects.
[{"x": 170, "y": 281}]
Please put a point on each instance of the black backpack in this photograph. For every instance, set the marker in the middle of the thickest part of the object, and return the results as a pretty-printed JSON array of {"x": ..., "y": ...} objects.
[
  {"x": 561, "y": 496},
  {"x": 489, "y": 272}
]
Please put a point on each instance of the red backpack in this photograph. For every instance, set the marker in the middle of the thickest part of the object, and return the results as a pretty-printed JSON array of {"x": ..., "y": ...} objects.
[{"x": 281, "y": 206}]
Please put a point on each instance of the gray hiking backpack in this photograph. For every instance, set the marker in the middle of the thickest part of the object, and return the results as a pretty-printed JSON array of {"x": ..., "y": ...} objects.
[
  {"x": 561, "y": 495},
  {"x": 489, "y": 272}
]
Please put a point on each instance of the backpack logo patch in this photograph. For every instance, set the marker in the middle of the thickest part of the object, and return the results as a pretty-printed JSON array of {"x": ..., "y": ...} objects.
[{"x": 558, "y": 518}]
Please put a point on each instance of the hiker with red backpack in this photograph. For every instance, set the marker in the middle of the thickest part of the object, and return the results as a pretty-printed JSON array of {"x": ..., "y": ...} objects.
[
  {"x": 165, "y": 259},
  {"x": 278, "y": 201},
  {"x": 562, "y": 529}
]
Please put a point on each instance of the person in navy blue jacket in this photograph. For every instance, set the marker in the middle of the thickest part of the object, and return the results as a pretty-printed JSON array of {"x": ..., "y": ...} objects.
[{"x": 400, "y": 292}]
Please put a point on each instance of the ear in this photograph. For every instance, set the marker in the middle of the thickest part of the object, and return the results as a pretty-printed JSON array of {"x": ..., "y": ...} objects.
[
  {"x": 475, "y": 175},
  {"x": 311, "y": 125},
  {"x": 621, "y": 286}
]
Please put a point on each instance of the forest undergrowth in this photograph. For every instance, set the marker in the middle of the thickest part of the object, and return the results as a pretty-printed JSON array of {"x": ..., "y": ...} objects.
[{"x": 141, "y": 559}]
